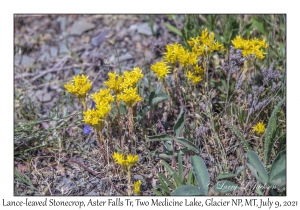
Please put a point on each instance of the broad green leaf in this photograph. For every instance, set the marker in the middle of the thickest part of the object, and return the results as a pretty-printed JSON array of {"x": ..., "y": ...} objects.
[
  {"x": 173, "y": 29},
  {"x": 163, "y": 187},
  {"x": 189, "y": 145},
  {"x": 226, "y": 175},
  {"x": 172, "y": 173},
  {"x": 179, "y": 123},
  {"x": 256, "y": 166},
  {"x": 180, "y": 168},
  {"x": 190, "y": 177},
  {"x": 200, "y": 172},
  {"x": 244, "y": 143},
  {"x": 223, "y": 187},
  {"x": 277, "y": 176},
  {"x": 157, "y": 192},
  {"x": 159, "y": 98},
  {"x": 270, "y": 132},
  {"x": 239, "y": 170},
  {"x": 187, "y": 190},
  {"x": 159, "y": 137},
  {"x": 169, "y": 183},
  {"x": 151, "y": 96}
]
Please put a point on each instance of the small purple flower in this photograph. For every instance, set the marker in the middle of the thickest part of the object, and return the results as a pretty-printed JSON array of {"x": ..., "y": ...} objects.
[{"x": 87, "y": 129}]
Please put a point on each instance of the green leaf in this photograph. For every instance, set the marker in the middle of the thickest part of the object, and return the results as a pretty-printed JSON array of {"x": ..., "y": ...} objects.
[
  {"x": 244, "y": 143},
  {"x": 223, "y": 187},
  {"x": 180, "y": 168},
  {"x": 172, "y": 173},
  {"x": 259, "y": 26},
  {"x": 179, "y": 123},
  {"x": 157, "y": 192},
  {"x": 169, "y": 183},
  {"x": 188, "y": 144},
  {"x": 256, "y": 166},
  {"x": 163, "y": 187},
  {"x": 159, "y": 98},
  {"x": 159, "y": 137},
  {"x": 189, "y": 180},
  {"x": 226, "y": 175},
  {"x": 277, "y": 176},
  {"x": 239, "y": 170},
  {"x": 151, "y": 96},
  {"x": 158, "y": 90},
  {"x": 200, "y": 172},
  {"x": 187, "y": 190},
  {"x": 173, "y": 29},
  {"x": 270, "y": 132}
]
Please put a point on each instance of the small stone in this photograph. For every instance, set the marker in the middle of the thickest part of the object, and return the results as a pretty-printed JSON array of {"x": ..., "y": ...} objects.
[
  {"x": 125, "y": 57},
  {"x": 48, "y": 77},
  {"x": 146, "y": 30},
  {"x": 53, "y": 51},
  {"x": 42, "y": 96},
  {"x": 80, "y": 27},
  {"x": 27, "y": 61},
  {"x": 138, "y": 177}
]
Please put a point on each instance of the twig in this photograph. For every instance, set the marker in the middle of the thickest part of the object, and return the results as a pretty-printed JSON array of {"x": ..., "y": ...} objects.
[
  {"x": 61, "y": 63},
  {"x": 85, "y": 167}
]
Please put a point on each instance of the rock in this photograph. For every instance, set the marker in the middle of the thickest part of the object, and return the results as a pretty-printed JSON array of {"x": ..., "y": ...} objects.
[
  {"x": 27, "y": 61},
  {"x": 139, "y": 177},
  {"x": 99, "y": 38},
  {"x": 53, "y": 51},
  {"x": 45, "y": 56},
  {"x": 63, "y": 48},
  {"x": 145, "y": 29},
  {"x": 80, "y": 27},
  {"x": 48, "y": 77},
  {"x": 42, "y": 96},
  {"x": 126, "y": 56},
  {"x": 148, "y": 54}
]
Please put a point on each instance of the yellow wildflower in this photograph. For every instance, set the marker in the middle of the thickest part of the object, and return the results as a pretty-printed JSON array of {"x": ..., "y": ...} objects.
[
  {"x": 198, "y": 69},
  {"x": 195, "y": 79},
  {"x": 79, "y": 86},
  {"x": 205, "y": 43},
  {"x": 259, "y": 127},
  {"x": 125, "y": 163},
  {"x": 252, "y": 46},
  {"x": 137, "y": 187},
  {"x": 114, "y": 82},
  {"x": 129, "y": 96},
  {"x": 103, "y": 96},
  {"x": 161, "y": 69},
  {"x": 131, "y": 78},
  {"x": 173, "y": 51}
]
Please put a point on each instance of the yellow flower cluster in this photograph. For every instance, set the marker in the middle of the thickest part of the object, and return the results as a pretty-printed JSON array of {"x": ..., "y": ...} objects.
[
  {"x": 161, "y": 69},
  {"x": 252, "y": 46},
  {"x": 205, "y": 43},
  {"x": 137, "y": 187},
  {"x": 175, "y": 53},
  {"x": 79, "y": 86},
  {"x": 119, "y": 83},
  {"x": 259, "y": 127},
  {"x": 96, "y": 117},
  {"x": 195, "y": 79},
  {"x": 125, "y": 163},
  {"x": 129, "y": 96}
]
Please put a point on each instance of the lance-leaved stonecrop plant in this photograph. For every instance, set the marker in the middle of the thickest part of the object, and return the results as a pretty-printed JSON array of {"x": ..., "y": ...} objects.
[
  {"x": 79, "y": 86},
  {"x": 126, "y": 164},
  {"x": 253, "y": 46}
]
